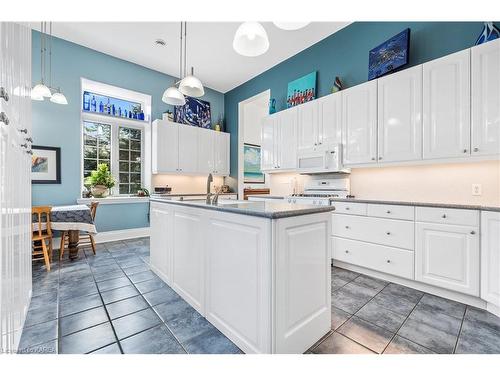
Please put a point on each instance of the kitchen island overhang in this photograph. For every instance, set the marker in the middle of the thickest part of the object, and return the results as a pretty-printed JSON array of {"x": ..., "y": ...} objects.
[{"x": 259, "y": 271}]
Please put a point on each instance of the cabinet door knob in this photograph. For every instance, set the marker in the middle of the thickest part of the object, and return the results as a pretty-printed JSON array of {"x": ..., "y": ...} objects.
[
  {"x": 24, "y": 145},
  {"x": 347, "y": 227},
  {"x": 4, "y": 118},
  {"x": 373, "y": 158},
  {"x": 476, "y": 149},
  {"x": 465, "y": 150},
  {"x": 347, "y": 208},
  {"x": 29, "y": 139},
  {"x": 444, "y": 216},
  {"x": 388, "y": 211},
  {"x": 388, "y": 233},
  {"x": 347, "y": 251},
  {"x": 473, "y": 232},
  {"x": 380, "y": 158},
  {"x": 25, "y": 131},
  {"x": 4, "y": 94},
  {"x": 29, "y": 152},
  {"x": 388, "y": 261}
]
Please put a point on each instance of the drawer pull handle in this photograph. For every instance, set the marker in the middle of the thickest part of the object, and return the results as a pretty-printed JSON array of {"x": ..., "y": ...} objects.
[
  {"x": 388, "y": 233},
  {"x": 444, "y": 216},
  {"x": 347, "y": 208},
  {"x": 388, "y": 261},
  {"x": 473, "y": 232},
  {"x": 388, "y": 211},
  {"x": 476, "y": 149},
  {"x": 347, "y": 227}
]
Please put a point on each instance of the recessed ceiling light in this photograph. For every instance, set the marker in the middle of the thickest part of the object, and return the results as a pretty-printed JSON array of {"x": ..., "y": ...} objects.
[{"x": 160, "y": 42}]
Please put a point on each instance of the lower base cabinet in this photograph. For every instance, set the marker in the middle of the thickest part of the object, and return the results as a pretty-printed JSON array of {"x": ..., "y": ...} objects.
[
  {"x": 490, "y": 257},
  {"x": 447, "y": 256}
]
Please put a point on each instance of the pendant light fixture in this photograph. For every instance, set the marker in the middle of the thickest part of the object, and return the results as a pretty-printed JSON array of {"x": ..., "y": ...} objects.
[
  {"x": 40, "y": 91},
  {"x": 190, "y": 85},
  {"x": 289, "y": 26},
  {"x": 251, "y": 39},
  {"x": 172, "y": 95},
  {"x": 57, "y": 96}
]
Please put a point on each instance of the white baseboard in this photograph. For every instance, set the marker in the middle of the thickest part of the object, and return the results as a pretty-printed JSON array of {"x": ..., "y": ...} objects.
[{"x": 114, "y": 235}]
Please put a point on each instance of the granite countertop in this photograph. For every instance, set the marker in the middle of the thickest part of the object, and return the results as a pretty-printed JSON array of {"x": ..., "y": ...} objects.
[
  {"x": 419, "y": 204},
  {"x": 269, "y": 210}
]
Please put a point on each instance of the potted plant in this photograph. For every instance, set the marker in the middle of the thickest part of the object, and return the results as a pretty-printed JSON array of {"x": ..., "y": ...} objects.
[{"x": 100, "y": 181}]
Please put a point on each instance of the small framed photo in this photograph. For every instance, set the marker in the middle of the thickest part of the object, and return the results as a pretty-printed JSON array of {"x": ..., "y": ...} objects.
[
  {"x": 252, "y": 174},
  {"x": 46, "y": 165}
]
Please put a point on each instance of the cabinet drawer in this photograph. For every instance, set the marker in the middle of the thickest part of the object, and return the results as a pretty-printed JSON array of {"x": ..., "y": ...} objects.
[
  {"x": 378, "y": 257},
  {"x": 447, "y": 216},
  {"x": 349, "y": 208},
  {"x": 391, "y": 211},
  {"x": 397, "y": 233}
]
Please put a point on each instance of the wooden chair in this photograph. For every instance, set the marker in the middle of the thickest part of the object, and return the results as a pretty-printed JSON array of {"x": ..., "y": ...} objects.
[
  {"x": 85, "y": 238},
  {"x": 41, "y": 233}
]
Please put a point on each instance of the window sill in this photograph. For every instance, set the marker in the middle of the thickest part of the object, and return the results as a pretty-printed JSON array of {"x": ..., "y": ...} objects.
[{"x": 113, "y": 200}]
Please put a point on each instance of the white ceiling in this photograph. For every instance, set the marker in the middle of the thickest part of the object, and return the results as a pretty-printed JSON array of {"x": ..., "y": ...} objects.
[{"x": 209, "y": 49}]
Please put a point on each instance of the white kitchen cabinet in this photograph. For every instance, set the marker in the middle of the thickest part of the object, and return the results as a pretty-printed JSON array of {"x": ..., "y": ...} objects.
[
  {"x": 447, "y": 256},
  {"x": 485, "y": 94},
  {"x": 490, "y": 257},
  {"x": 221, "y": 153},
  {"x": 268, "y": 140},
  {"x": 205, "y": 151},
  {"x": 400, "y": 116},
  {"x": 307, "y": 139},
  {"x": 188, "y": 149},
  {"x": 161, "y": 241},
  {"x": 359, "y": 124},
  {"x": 184, "y": 149},
  {"x": 446, "y": 106}
]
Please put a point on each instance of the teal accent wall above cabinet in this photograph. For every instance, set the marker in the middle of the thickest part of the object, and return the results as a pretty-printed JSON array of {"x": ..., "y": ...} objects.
[
  {"x": 345, "y": 54},
  {"x": 59, "y": 125}
]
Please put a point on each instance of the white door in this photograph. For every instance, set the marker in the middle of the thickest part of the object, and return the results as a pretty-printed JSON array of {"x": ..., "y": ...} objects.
[
  {"x": 485, "y": 94},
  {"x": 307, "y": 127},
  {"x": 221, "y": 153},
  {"x": 161, "y": 240},
  {"x": 287, "y": 139},
  {"x": 400, "y": 116},
  {"x": 446, "y": 108},
  {"x": 448, "y": 256},
  {"x": 490, "y": 257},
  {"x": 165, "y": 147},
  {"x": 267, "y": 143},
  {"x": 329, "y": 120},
  {"x": 359, "y": 123},
  {"x": 206, "y": 162},
  {"x": 188, "y": 149}
]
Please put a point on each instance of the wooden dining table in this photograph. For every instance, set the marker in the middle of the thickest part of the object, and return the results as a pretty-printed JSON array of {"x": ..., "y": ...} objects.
[{"x": 73, "y": 219}]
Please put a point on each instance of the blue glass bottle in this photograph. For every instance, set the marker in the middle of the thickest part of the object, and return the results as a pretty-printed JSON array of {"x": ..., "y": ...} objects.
[
  {"x": 101, "y": 107},
  {"x": 141, "y": 115},
  {"x": 113, "y": 110},
  {"x": 86, "y": 101},
  {"x": 119, "y": 111},
  {"x": 108, "y": 107},
  {"x": 93, "y": 104},
  {"x": 126, "y": 114}
]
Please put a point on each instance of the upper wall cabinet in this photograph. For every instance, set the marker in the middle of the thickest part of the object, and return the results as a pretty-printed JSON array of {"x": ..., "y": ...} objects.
[
  {"x": 400, "y": 116},
  {"x": 485, "y": 61},
  {"x": 185, "y": 149},
  {"x": 359, "y": 124},
  {"x": 319, "y": 124},
  {"x": 446, "y": 108},
  {"x": 268, "y": 140}
]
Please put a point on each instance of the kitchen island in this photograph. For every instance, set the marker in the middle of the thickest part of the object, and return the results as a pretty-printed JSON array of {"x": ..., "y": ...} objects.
[{"x": 258, "y": 271}]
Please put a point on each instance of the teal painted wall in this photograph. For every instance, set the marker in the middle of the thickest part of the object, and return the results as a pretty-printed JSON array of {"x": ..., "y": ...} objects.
[
  {"x": 345, "y": 54},
  {"x": 59, "y": 126}
]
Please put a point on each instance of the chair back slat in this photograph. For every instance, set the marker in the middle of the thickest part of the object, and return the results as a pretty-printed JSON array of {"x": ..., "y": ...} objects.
[{"x": 41, "y": 213}]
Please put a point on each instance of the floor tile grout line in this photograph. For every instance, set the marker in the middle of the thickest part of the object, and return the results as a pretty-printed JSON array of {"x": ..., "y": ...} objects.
[{"x": 460, "y": 330}]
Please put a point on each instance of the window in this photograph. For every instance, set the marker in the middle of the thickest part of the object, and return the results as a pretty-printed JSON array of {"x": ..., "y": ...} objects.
[
  {"x": 129, "y": 160},
  {"x": 96, "y": 146}
]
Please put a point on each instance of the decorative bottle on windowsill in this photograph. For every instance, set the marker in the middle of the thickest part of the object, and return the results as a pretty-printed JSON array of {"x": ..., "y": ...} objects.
[{"x": 93, "y": 104}]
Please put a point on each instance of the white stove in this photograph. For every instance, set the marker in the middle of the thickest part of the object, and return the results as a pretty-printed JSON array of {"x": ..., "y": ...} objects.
[{"x": 319, "y": 192}]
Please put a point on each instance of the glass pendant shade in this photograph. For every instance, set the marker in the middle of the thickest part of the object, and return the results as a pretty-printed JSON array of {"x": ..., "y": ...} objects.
[
  {"x": 58, "y": 98},
  {"x": 290, "y": 25},
  {"x": 36, "y": 97},
  {"x": 251, "y": 39},
  {"x": 191, "y": 86},
  {"x": 173, "y": 96},
  {"x": 41, "y": 90}
]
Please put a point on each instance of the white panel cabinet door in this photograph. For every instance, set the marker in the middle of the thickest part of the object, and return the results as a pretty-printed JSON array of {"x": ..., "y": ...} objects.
[
  {"x": 206, "y": 162},
  {"x": 165, "y": 147},
  {"x": 307, "y": 127},
  {"x": 267, "y": 162},
  {"x": 485, "y": 94},
  {"x": 359, "y": 124},
  {"x": 161, "y": 239},
  {"x": 400, "y": 116},
  {"x": 221, "y": 153},
  {"x": 188, "y": 149},
  {"x": 329, "y": 120},
  {"x": 448, "y": 256},
  {"x": 446, "y": 108},
  {"x": 287, "y": 139},
  {"x": 490, "y": 257}
]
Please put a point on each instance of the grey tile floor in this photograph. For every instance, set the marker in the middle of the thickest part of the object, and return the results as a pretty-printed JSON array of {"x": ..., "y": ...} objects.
[
  {"x": 373, "y": 316},
  {"x": 112, "y": 303}
]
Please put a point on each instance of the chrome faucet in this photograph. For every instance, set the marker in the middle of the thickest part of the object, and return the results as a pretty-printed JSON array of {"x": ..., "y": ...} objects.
[
  {"x": 215, "y": 198},
  {"x": 209, "y": 180}
]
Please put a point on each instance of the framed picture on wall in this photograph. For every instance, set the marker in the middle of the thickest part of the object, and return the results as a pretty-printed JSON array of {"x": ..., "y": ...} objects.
[
  {"x": 195, "y": 112},
  {"x": 390, "y": 55},
  {"x": 301, "y": 90},
  {"x": 252, "y": 173},
  {"x": 46, "y": 165}
]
